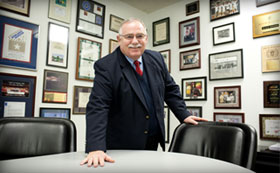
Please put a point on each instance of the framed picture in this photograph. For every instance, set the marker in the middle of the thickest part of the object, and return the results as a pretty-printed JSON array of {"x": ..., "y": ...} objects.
[
  {"x": 19, "y": 7},
  {"x": 265, "y": 2},
  {"x": 167, "y": 58},
  {"x": 80, "y": 100},
  {"x": 271, "y": 58},
  {"x": 223, "y": 8},
  {"x": 19, "y": 41},
  {"x": 166, "y": 123},
  {"x": 57, "y": 48},
  {"x": 192, "y": 8},
  {"x": 113, "y": 44},
  {"x": 55, "y": 87},
  {"x": 270, "y": 126},
  {"x": 271, "y": 94},
  {"x": 115, "y": 23},
  {"x": 88, "y": 52},
  {"x": 194, "y": 88},
  {"x": 227, "y": 97},
  {"x": 229, "y": 117},
  {"x": 195, "y": 110},
  {"x": 55, "y": 112},
  {"x": 90, "y": 18},
  {"x": 190, "y": 59},
  {"x": 60, "y": 10},
  {"x": 17, "y": 96},
  {"x": 189, "y": 32},
  {"x": 161, "y": 31},
  {"x": 226, "y": 65},
  {"x": 266, "y": 24},
  {"x": 223, "y": 34}
]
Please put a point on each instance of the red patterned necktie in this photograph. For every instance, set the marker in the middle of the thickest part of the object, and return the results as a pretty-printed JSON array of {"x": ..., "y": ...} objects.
[{"x": 138, "y": 69}]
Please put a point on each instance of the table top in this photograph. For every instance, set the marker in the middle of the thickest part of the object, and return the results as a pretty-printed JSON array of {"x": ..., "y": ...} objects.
[{"x": 125, "y": 161}]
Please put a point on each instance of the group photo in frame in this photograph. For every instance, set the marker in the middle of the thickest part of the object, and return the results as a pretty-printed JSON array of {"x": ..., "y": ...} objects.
[
  {"x": 17, "y": 98},
  {"x": 113, "y": 44},
  {"x": 223, "y": 8},
  {"x": 55, "y": 112},
  {"x": 194, "y": 88},
  {"x": 226, "y": 65},
  {"x": 269, "y": 126},
  {"x": 167, "y": 123},
  {"x": 192, "y": 8},
  {"x": 271, "y": 94},
  {"x": 227, "y": 97},
  {"x": 167, "y": 58},
  {"x": 190, "y": 59},
  {"x": 60, "y": 10},
  {"x": 271, "y": 58},
  {"x": 223, "y": 34},
  {"x": 228, "y": 117},
  {"x": 195, "y": 110},
  {"x": 115, "y": 23},
  {"x": 189, "y": 32},
  {"x": 80, "y": 99},
  {"x": 161, "y": 32},
  {"x": 22, "y": 51},
  {"x": 19, "y": 7}
]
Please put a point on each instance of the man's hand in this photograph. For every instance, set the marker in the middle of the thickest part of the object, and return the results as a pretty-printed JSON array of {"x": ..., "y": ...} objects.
[
  {"x": 96, "y": 158},
  {"x": 193, "y": 119}
]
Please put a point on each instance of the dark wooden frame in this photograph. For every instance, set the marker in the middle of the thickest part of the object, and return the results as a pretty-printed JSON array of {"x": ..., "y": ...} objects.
[
  {"x": 192, "y": 8},
  {"x": 193, "y": 21},
  {"x": 262, "y": 118},
  {"x": 11, "y": 9},
  {"x": 276, "y": 93},
  {"x": 190, "y": 66},
  {"x": 229, "y": 113},
  {"x": 199, "y": 108},
  {"x": 237, "y": 104},
  {"x": 76, "y": 109}
]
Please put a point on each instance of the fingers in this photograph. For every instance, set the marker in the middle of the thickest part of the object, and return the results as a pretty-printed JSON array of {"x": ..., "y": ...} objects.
[
  {"x": 194, "y": 119},
  {"x": 109, "y": 159},
  {"x": 96, "y": 158}
]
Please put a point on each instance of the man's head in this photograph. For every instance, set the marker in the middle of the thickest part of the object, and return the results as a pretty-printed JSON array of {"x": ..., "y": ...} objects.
[{"x": 132, "y": 38}]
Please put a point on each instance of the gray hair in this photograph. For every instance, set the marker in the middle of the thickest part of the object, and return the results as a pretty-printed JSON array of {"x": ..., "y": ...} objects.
[{"x": 132, "y": 20}]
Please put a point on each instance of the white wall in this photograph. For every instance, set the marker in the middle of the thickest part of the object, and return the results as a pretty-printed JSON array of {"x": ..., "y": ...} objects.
[{"x": 251, "y": 84}]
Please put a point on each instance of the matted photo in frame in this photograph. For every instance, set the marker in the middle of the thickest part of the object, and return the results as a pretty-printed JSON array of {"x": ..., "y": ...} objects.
[
  {"x": 266, "y": 24},
  {"x": 270, "y": 126},
  {"x": 57, "y": 48},
  {"x": 265, "y": 2},
  {"x": 55, "y": 112},
  {"x": 88, "y": 52},
  {"x": 166, "y": 123},
  {"x": 161, "y": 32},
  {"x": 190, "y": 59},
  {"x": 167, "y": 58},
  {"x": 189, "y": 33},
  {"x": 113, "y": 44},
  {"x": 227, "y": 97},
  {"x": 17, "y": 96},
  {"x": 226, "y": 65},
  {"x": 192, "y": 8},
  {"x": 223, "y": 8},
  {"x": 21, "y": 7},
  {"x": 195, "y": 110},
  {"x": 80, "y": 99},
  {"x": 194, "y": 88},
  {"x": 228, "y": 117},
  {"x": 55, "y": 87},
  {"x": 19, "y": 42},
  {"x": 60, "y": 10},
  {"x": 271, "y": 58},
  {"x": 115, "y": 23},
  {"x": 271, "y": 94},
  {"x": 90, "y": 18},
  {"x": 223, "y": 34}
]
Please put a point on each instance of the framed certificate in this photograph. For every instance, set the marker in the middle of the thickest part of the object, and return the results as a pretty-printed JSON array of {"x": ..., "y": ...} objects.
[
  {"x": 227, "y": 97},
  {"x": 189, "y": 34},
  {"x": 81, "y": 98},
  {"x": 115, "y": 23},
  {"x": 271, "y": 94},
  {"x": 166, "y": 123},
  {"x": 113, "y": 44},
  {"x": 19, "y": 41},
  {"x": 194, "y": 88},
  {"x": 167, "y": 58},
  {"x": 229, "y": 117},
  {"x": 55, "y": 112},
  {"x": 271, "y": 58},
  {"x": 161, "y": 32},
  {"x": 270, "y": 126},
  {"x": 190, "y": 59},
  {"x": 19, "y": 7},
  {"x": 60, "y": 10}
]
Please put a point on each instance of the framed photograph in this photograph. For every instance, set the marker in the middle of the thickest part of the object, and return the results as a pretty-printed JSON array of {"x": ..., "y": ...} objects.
[
  {"x": 227, "y": 97},
  {"x": 223, "y": 8},
  {"x": 194, "y": 88},
  {"x": 266, "y": 24},
  {"x": 57, "y": 48},
  {"x": 195, "y": 110},
  {"x": 270, "y": 126},
  {"x": 19, "y": 7},
  {"x": 55, "y": 112},
  {"x": 115, "y": 23},
  {"x": 189, "y": 33},
  {"x": 265, "y": 2},
  {"x": 190, "y": 59},
  {"x": 60, "y": 10},
  {"x": 90, "y": 18},
  {"x": 226, "y": 65},
  {"x": 229, "y": 117},
  {"x": 80, "y": 100},
  {"x": 113, "y": 44},
  {"x": 192, "y": 8},
  {"x": 88, "y": 52},
  {"x": 223, "y": 34},
  {"x": 19, "y": 41},
  {"x": 167, "y": 58},
  {"x": 17, "y": 96},
  {"x": 166, "y": 123},
  {"x": 161, "y": 31},
  {"x": 271, "y": 58},
  {"x": 271, "y": 93},
  {"x": 55, "y": 87}
]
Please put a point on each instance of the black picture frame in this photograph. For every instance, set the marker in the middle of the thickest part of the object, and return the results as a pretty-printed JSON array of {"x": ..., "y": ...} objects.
[
  {"x": 161, "y": 32},
  {"x": 18, "y": 7},
  {"x": 218, "y": 10},
  {"x": 223, "y": 34},
  {"x": 189, "y": 32},
  {"x": 80, "y": 99},
  {"x": 194, "y": 89},
  {"x": 271, "y": 94},
  {"x": 55, "y": 112},
  {"x": 115, "y": 23},
  {"x": 192, "y": 8},
  {"x": 260, "y": 3},
  {"x": 167, "y": 123}
]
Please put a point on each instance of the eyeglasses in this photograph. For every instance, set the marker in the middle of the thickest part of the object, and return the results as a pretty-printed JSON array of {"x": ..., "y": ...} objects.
[{"x": 131, "y": 36}]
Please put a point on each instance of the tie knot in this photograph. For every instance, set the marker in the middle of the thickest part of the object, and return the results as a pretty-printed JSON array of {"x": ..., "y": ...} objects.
[{"x": 136, "y": 63}]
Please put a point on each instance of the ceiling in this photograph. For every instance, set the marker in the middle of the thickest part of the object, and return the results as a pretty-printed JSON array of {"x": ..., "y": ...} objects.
[{"x": 149, "y": 6}]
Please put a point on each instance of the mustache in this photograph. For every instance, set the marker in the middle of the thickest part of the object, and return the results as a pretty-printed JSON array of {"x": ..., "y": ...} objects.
[{"x": 135, "y": 45}]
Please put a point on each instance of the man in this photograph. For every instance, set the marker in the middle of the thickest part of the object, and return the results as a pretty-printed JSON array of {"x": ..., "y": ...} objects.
[{"x": 126, "y": 105}]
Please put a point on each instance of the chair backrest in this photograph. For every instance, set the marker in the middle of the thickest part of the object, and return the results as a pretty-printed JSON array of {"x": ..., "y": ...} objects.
[
  {"x": 231, "y": 142},
  {"x": 25, "y": 137}
]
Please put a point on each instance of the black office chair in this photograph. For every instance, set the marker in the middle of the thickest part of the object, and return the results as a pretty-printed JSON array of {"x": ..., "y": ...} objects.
[
  {"x": 25, "y": 137},
  {"x": 231, "y": 142}
]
